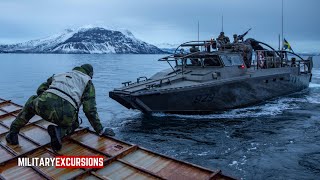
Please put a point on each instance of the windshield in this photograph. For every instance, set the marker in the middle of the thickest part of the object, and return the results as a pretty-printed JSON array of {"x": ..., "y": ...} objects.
[
  {"x": 232, "y": 60},
  {"x": 193, "y": 62},
  {"x": 190, "y": 62},
  {"x": 211, "y": 61}
]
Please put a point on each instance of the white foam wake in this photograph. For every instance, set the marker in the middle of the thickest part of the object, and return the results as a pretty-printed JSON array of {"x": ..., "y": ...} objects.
[{"x": 314, "y": 85}]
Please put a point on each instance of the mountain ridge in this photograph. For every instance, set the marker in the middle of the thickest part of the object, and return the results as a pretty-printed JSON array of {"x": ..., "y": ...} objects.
[{"x": 91, "y": 40}]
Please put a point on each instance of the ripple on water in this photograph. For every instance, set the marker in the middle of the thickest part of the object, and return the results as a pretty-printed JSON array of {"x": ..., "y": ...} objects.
[
  {"x": 311, "y": 161},
  {"x": 266, "y": 141}
]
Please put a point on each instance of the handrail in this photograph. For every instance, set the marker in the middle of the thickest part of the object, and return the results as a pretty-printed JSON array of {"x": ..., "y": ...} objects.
[
  {"x": 292, "y": 53},
  {"x": 167, "y": 58},
  {"x": 185, "y": 44},
  {"x": 142, "y": 77},
  {"x": 263, "y": 61}
]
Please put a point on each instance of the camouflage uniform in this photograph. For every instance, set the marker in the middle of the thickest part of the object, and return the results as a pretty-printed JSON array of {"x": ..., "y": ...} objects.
[
  {"x": 58, "y": 110},
  {"x": 222, "y": 39},
  {"x": 235, "y": 38}
]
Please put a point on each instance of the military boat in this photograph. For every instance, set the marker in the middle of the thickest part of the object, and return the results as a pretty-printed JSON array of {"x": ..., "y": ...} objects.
[{"x": 210, "y": 76}]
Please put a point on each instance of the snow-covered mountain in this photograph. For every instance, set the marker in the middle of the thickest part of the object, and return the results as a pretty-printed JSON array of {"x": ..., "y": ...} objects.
[
  {"x": 93, "y": 40},
  {"x": 167, "y": 47}
]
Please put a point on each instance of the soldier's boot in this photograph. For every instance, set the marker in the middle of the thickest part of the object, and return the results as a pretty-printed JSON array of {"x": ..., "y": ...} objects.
[
  {"x": 55, "y": 134},
  {"x": 12, "y": 138}
]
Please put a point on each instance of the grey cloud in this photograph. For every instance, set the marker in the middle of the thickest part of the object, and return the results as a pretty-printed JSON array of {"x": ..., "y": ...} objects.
[{"x": 171, "y": 21}]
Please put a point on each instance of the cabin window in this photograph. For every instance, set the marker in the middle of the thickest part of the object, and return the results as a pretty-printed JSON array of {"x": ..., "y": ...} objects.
[
  {"x": 179, "y": 62},
  {"x": 281, "y": 79},
  {"x": 193, "y": 62},
  {"x": 211, "y": 61},
  {"x": 189, "y": 62},
  {"x": 232, "y": 60}
]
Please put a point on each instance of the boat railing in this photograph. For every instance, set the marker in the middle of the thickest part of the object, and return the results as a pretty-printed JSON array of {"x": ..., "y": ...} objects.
[
  {"x": 205, "y": 45},
  {"x": 305, "y": 66},
  {"x": 159, "y": 83},
  {"x": 179, "y": 53},
  {"x": 265, "y": 59},
  {"x": 176, "y": 57}
]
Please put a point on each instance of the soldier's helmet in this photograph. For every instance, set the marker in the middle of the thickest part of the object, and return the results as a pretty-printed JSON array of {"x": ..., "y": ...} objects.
[
  {"x": 222, "y": 33},
  {"x": 235, "y": 35},
  {"x": 88, "y": 68}
]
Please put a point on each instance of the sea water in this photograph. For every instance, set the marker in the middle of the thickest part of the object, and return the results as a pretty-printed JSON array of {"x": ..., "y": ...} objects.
[{"x": 279, "y": 139}]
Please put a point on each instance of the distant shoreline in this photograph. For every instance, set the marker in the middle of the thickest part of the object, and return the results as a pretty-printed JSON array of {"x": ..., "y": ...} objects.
[
  {"x": 301, "y": 54},
  {"x": 79, "y": 53}
]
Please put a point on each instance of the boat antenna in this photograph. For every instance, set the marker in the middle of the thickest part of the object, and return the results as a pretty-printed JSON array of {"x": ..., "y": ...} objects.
[
  {"x": 279, "y": 41},
  {"x": 282, "y": 24},
  {"x": 198, "y": 30},
  {"x": 222, "y": 23}
]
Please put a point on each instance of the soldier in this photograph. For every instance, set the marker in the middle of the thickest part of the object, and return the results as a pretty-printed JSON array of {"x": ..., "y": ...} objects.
[
  {"x": 293, "y": 62},
  {"x": 222, "y": 39},
  {"x": 58, "y": 101},
  {"x": 235, "y": 38},
  {"x": 226, "y": 40},
  {"x": 194, "y": 49}
]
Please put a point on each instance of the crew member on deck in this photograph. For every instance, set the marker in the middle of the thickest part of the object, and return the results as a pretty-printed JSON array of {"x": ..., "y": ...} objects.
[
  {"x": 222, "y": 39},
  {"x": 235, "y": 38},
  {"x": 58, "y": 100}
]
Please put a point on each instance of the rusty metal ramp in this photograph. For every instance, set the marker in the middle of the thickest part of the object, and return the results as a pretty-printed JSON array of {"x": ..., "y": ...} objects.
[{"x": 121, "y": 159}]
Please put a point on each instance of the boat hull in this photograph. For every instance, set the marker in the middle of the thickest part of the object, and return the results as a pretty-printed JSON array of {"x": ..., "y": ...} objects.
[{"x": 207, "y": 98}]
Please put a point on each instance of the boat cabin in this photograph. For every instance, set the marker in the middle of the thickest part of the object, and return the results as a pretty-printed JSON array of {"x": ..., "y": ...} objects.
[{"x": 210, "y": 60}]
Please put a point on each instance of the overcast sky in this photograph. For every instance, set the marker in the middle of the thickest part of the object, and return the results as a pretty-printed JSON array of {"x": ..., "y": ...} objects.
[{"x": 166, "y": 21}]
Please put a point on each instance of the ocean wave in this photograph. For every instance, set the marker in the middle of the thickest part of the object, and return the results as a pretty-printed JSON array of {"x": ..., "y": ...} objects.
[
  {"x": 314, "y": 85},
  {"x": 314, "y": 99},
  {"x": 316, "y": 73}
]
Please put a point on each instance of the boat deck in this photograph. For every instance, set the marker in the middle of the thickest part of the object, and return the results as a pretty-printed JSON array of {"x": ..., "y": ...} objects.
[{"x": 122, "y": 160}]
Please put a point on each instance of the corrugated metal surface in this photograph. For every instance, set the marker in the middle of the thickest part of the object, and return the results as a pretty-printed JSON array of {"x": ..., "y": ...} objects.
[{"x": 122, "y": 160}]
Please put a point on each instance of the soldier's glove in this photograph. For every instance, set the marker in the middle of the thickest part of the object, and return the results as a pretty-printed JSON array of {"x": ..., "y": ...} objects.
[{"x": 107, "y": 132}]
